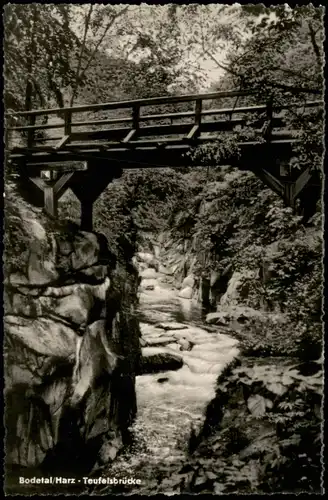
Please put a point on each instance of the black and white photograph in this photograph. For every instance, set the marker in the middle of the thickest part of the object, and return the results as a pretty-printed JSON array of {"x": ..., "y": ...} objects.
[{"x": 163, "y": 263}]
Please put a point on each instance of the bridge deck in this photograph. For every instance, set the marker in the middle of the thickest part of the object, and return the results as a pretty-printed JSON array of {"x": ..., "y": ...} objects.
[
  {"x": 140, "y": 129},
  {"x": 148, "y": 133}
]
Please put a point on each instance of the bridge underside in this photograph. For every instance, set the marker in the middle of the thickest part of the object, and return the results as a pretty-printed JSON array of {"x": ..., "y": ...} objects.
[{"x": 88, "y": 172}]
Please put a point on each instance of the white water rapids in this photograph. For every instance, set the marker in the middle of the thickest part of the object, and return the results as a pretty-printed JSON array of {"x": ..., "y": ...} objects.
[{"x": 171, "y": 402}]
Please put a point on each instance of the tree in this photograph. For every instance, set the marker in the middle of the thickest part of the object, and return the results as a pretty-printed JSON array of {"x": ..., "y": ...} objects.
[
  {"x": 285, "y": 50},
  {"x": 94, "y": 24},
  {"x": 54, "y": 52},
  {"x": 38, "y": 44}
]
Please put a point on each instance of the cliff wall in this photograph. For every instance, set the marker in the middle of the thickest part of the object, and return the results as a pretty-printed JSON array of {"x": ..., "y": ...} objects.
[{"x": 71, "y": 344}]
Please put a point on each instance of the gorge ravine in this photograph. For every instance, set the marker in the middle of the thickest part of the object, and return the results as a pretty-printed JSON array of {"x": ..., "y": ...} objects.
[{"x": 171, "y": 402}]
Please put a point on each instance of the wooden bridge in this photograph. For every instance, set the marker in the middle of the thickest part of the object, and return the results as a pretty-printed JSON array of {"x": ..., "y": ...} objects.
[{"x": 87, "y": 153}]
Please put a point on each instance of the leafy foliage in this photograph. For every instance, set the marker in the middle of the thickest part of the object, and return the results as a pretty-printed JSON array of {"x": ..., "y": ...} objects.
[
  {"x": 269, "y": 415},
  {"x": 16, "y": 238},
  {"x": 34, "y": 72}
]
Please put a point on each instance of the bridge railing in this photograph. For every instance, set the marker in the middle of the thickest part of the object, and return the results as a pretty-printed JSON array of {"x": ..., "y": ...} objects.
[{"x": 194, "y": 122}]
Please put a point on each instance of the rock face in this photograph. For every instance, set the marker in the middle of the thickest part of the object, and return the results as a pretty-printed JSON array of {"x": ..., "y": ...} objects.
[
  {"x": 239, "y": 314},
  {"x": 154, "y": 361},
  {"x": 149, "y": 273},
  {"x": 238, "y": 288},
  {"x": 189, "y": 281},
  {"x": 186, "y": 293},
  {"x": 71, "y": 354}
]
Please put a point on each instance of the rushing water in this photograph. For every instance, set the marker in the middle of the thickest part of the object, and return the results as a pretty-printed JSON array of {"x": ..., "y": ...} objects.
[{"x": 171, "y": 403}]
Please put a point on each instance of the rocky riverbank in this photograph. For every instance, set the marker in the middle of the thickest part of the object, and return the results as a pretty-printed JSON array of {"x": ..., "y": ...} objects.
[
  {"x": 71, "y": 348},
  {"x": 213, "y": 416}
]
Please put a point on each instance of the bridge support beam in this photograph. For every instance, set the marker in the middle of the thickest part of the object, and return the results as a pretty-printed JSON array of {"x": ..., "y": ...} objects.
[
  {"x": 289, "y": 193},
  {"x": 50, "y": 201},
  {"x": 86, "y": 215},
  {"x": 88, "y": 186},
  {"x": 52, "y": 191}
]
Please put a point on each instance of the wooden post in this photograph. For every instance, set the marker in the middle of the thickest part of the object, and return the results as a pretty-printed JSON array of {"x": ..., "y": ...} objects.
[
  {"x": 30, "y": 133},
  {"x": 135, "y": 116},
  {"x": 195, "y": 131},
  {"x": 289, "y": 193},
  {"x": 68, "y": 122},
  {"x": 198, "y": 112},
  {"x": 50, "y": 201},
  {"x": 61, "y": 184},
  {"x": 86, "y": 215}
]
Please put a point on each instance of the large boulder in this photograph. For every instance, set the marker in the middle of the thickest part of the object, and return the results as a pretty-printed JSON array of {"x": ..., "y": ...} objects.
[
  {"x": 159, "y": 361},
  {"x": 149, "y": 273},
  {"x": 165, "y": 270},
  {"x": 239, "y": 314},
  {"x": 238, "y": 288},
  {"x": 86, "y": 250},
  {"x": 145, "y": 257},
  {"x": 162, "y": 340},
  {"x": 171, "y": 325},
  {"x": 186, "y": 293},
  {"x": 217, "y": 318},
  {"x": 185, "y": 345},
  {"x": 189, "y": 281}
]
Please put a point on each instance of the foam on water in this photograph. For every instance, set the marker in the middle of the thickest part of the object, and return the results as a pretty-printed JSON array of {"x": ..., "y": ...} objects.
[{"x": 169, "y": 407}]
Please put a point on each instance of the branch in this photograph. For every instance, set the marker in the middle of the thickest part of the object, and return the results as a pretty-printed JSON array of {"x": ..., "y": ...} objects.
[
  {"x": 109, "y": 25},
  {"x": 222, "y": 66},
  {"x": 209, "y": 54},
  {"x": 292, "y": 88},
  {"x": 314, "y": 44},
  {"x": 38, "y": 90},
  {"x": 86, "y": 28},
  {"x": 55, "y": 89}
]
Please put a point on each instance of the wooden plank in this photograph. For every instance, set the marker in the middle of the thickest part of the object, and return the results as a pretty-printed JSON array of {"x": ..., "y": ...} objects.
[
  {"x": 131, "y": 134},
  {"x": 37, "y": 127},
  {"x": 164, "y": 116},
  {"x": 193, "y": 132},
  {"x": 270, "y": 181},
  {"x": 76, "y": 149},
  {"x": 45, "y": 141},
  {"x": 38, "y": 182},
  {"x": 62, "y": 184},
  {"x": 246, "y": 109},
  {"x": 243, "y": 109},
  {"x": 36, "y": 150},
  {"x": 112, "y": 121},
  {"x": 64, "y": 166},
  {"x": 151, "y": 101},
  {"x": 302, "y": 181},
  {"x": 50, "y": 201},
  {"x": 62, "y": 142},
  {"x": 48, "y": 158},
  {"x": 177, "y": 129}
]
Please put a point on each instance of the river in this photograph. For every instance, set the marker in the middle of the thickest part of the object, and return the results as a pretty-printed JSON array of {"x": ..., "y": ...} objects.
[{"x": 171, "y": 403}]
